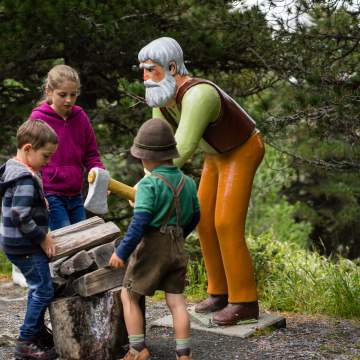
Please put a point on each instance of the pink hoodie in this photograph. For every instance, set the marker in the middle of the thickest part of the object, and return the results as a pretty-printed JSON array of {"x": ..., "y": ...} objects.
[{"x": 77, "y": 150}]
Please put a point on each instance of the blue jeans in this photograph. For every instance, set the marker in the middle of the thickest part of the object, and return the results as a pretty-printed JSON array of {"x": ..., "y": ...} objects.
[
  {"x": 35, "y": 269},
  {"x": 65, "y": 210}
]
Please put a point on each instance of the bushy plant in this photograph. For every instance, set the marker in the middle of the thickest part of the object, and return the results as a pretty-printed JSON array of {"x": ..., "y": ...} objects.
[
  {"x": 269, "y": 209},
  {"x": 291, "y": 278},
  {"x": 196, "y": 280}
]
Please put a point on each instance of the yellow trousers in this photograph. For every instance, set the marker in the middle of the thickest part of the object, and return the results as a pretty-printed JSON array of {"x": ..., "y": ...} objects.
[{"x": 224, "y": 194}]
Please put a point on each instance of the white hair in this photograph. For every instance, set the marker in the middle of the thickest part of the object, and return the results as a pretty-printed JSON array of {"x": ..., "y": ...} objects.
[
  {"x": 163, "y": 51},
  {"x": 157, "y": 94}
]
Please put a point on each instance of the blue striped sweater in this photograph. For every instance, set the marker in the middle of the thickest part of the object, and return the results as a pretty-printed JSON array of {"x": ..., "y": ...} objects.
[{"x": 24, "y": 216}]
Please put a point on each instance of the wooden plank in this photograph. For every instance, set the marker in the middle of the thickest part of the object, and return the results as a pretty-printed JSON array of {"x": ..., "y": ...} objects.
[
  {"x": 81, "y": 225},
  {"x": 77, "y": 263},
  {"x": 89, "y": 328},
  {"x": 102, "y": 253},
  {"x": 98, "y": 281},
  {"x": 71, "y": 243}
]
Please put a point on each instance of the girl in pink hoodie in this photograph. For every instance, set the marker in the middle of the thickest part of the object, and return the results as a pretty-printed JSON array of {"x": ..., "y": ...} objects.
[{"x": 77, "y": 151}]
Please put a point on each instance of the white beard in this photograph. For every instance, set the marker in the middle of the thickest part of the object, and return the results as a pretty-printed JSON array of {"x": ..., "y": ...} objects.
[{"x": 157, "y": 94}]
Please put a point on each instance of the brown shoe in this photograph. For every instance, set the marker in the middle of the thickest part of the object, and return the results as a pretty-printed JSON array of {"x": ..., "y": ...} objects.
[
  {"x": 133, "y": 354},
  {"x": 31, "y": 351},
  {"x": 233, "y": 313},
  {"x": 183, "y": 357},
  {"x": 212, "y": 303}
]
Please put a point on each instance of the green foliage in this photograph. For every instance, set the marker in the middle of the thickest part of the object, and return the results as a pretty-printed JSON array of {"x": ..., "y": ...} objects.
[
  {"x": 5, "y": 265},
  {"x": 329, "y": 198},
  {"x": 300, "y": 82},
  {"x": 196, "y": 280},
  {"x": 293, "y": 279},
  {"x": 269, "y": 209}
]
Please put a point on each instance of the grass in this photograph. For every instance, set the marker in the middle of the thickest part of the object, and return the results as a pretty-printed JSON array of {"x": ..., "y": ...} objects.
[
  {"x": 196, "y": 281},
  {"x": 293, "y": 279},
  {"x": 5, "y": 265}
]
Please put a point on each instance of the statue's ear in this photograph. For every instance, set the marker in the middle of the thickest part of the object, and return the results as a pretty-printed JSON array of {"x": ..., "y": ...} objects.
[{"x": 172, "y": 68}]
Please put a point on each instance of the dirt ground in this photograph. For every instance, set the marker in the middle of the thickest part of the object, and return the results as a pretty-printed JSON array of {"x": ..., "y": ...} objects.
[{"x": 305, "y": 337}]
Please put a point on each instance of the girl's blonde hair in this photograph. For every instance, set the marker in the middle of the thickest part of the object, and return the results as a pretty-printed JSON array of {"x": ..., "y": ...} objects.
[{"x": 56, "y": 76}]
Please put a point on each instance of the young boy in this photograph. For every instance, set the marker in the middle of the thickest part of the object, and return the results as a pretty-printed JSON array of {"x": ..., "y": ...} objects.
[
  {"x": 24, "y": 234},
  {"x": 166, "y": 211}
]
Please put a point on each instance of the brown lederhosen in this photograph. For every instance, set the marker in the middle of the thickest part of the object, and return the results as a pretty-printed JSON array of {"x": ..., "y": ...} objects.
[{"x": 159, "y": 261}]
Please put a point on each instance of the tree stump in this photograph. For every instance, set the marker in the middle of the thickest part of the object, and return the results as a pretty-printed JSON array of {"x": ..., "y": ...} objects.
[{"x": 89, "y": 328}]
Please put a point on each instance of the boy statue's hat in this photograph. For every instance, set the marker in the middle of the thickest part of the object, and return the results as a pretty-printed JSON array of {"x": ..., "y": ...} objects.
[{"x": 154, "y": 141}]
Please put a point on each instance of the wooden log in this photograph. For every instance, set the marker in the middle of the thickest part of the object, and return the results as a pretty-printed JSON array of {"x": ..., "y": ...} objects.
[
  {"x": 63, "y": 287},
  {"x": 71, "y": 243},
  {"x": 102, "y": 253},
  {"x": 55, "y": 266},
  {"x": 59, "y": 284},
  {"x": 89, "y": 328},
  {"x": 98, "y": 281},
  {"x": 79, "y": 226},
  {"x": 77, "y": 263}
]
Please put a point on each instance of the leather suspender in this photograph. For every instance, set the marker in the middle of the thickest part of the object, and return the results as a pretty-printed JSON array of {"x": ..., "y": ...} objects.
[{"x": 175, "y": 203}]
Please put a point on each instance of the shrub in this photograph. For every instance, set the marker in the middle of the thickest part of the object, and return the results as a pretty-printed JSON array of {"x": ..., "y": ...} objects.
[
  {"x": 269, "y": 209},
  {"x": 293, "y": 279}
]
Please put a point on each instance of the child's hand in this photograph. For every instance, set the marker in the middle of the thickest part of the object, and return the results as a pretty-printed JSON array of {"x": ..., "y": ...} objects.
[
  {"x": 147, "y": 173},
  {"x": 116, "y": 262},
  {"x": 48, "y": 246},
  {"x": 132, "y": 203}
]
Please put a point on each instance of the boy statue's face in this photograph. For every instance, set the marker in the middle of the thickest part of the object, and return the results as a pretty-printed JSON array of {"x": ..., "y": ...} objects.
[{"x": 39, "y": 157}]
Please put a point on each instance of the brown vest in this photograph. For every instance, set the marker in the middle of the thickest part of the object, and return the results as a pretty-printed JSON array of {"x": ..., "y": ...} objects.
[{"x": 231, "y": 129}]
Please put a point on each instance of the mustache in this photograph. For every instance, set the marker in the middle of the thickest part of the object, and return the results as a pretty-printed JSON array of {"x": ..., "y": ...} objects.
[{"x": 151, "y": 84}]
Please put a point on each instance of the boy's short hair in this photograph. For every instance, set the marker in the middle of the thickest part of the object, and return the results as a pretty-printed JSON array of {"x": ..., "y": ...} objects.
[{"x": 37, "y": 133}]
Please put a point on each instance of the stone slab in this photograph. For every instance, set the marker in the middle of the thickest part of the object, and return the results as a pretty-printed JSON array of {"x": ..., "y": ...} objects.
[{"x": 244, "y": 329}]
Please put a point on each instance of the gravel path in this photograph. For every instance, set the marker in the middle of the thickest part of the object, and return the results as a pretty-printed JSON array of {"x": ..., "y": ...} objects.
[{"x": 306, "y": 337}]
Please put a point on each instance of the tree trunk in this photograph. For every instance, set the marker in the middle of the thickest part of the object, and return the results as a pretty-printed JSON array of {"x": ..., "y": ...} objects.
[{"x": 89, "y": 328}]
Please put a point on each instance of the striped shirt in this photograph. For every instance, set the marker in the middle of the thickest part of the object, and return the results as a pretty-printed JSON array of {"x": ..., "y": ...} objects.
[{"x": 24, "y": 215}]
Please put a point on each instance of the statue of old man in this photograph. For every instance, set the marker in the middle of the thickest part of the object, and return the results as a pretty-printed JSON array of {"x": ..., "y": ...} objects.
[{"x": 203, "y": 115}]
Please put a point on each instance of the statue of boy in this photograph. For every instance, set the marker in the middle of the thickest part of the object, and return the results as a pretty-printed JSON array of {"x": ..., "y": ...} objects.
[{"x": 204, "y": 116}]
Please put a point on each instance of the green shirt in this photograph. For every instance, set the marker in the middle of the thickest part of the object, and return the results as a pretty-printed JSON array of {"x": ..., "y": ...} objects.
[
  {"x": 155, "y": 197},
  {"x": 200, "y": 106}
]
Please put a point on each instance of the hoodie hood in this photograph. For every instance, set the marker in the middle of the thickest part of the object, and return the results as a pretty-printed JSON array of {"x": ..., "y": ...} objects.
[
  {"x": 77, "y": 150},
  {"x": 48, "y": 111},
  {"x": 24, "y": 217},
  {"x": 10, "y": 172}
]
